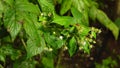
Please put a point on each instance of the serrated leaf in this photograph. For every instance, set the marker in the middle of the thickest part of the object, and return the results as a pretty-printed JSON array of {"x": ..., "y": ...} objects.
[
  {"x": 65, "y": 6},
  {"x": 32, "y": 49},
  {"x": 14, "y": 17},
  {"x": 46, "y": 5},
  {"x": 26, "y": 7},
  {"x": 32, "y": 31},
  {"x": 72, "y": 46},
  {"x": 64, "y": 20},
  {"x": 11, "y": 22},
  {"x": 102, "y": 17}
]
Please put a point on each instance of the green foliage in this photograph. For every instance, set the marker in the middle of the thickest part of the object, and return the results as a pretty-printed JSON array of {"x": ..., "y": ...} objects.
[
  {"x": 64, "y": 20},
  {"x": 65, "y": 6},
  {"x": 107, "y": 63},
  {"x": 117, "y": 22},
  {"x": 72, "y": 46},
  {"x": 7, "y": 50},
  {"x": 36, "y": 29},
  {"x": 108, "y": 23},
  {"x": 47, "y": 62}
]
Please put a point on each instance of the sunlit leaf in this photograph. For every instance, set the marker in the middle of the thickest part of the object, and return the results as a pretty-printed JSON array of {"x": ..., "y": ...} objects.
[
  {"x": 102, "y": 17},
  {"x": 64, "y": 20},
  {"x": 46, "y": 5},
  {"x": 72, "y": 46},
  {"x": 77, "y": 15},
  {"x": 65, "y": 6}
]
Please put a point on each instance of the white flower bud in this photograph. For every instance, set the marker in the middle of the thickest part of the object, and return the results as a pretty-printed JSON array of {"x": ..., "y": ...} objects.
[{"x": 61, "y": 37}]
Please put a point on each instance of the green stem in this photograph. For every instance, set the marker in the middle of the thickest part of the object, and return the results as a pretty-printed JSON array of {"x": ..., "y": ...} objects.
[{"x": 23, "y": 42}]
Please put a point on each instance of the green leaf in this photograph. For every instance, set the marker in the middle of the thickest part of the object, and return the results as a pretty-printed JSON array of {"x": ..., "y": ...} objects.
[
  {"x": 93, "y": 13},
  {"x": 83, "y": 9},
  {"x": 83, "y": 30},
  {"x": 64, "y": 20},
  {"x": 25, "y": 64},
  {"x": 53, "y": 41},
  {"x": 77, "y": 15},
  {"x": 46, "y": 5},
  {"x": 9, "y": 51},
  {"x": 117, "y": 22},
  {"x": 35, "y": 43},
  {"x": 32, "y": 49},
  {"x": 1, "y": 66},
  {"x": 93, "y": 34},
  {"x": 47, "y": 62},
  {"x": 12, "y": 23},
  {"x": 59, "y": 1},
  {"x": 102, "y": 17},
  {"x": 9, "y": 2},
  {"x": 72, "y": 46},
  {"x": 1, "y": 8},
  {"x": 65, "y": 6},
  {"x": 85, "y": 45},
  {"x": 26, "y": 7},
  {"x": 2, "y": 57},
  {"x": 14, "y": 17}
]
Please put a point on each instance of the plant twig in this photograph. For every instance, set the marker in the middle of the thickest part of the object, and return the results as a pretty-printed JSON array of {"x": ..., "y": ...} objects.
[
  {"x": 23, "y": 42},
  {"x": 59, "y": 57}
]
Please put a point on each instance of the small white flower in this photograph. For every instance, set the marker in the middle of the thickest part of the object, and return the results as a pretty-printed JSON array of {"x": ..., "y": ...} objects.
[
  {"x": 50, "y": 49},
  {"x": 91, "y": 46},
  {"x": 54, "y": 32},
  {"x": 61, "y": 37},
  {"x": 94, "y": 41},
  {"x": 65, "y": 48},
  {"x": 42, "y": 14},
  {"x": 80, "y": 48},
  {"x": 46, "y": 48},
  {"x": 83, "y": 43}
]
